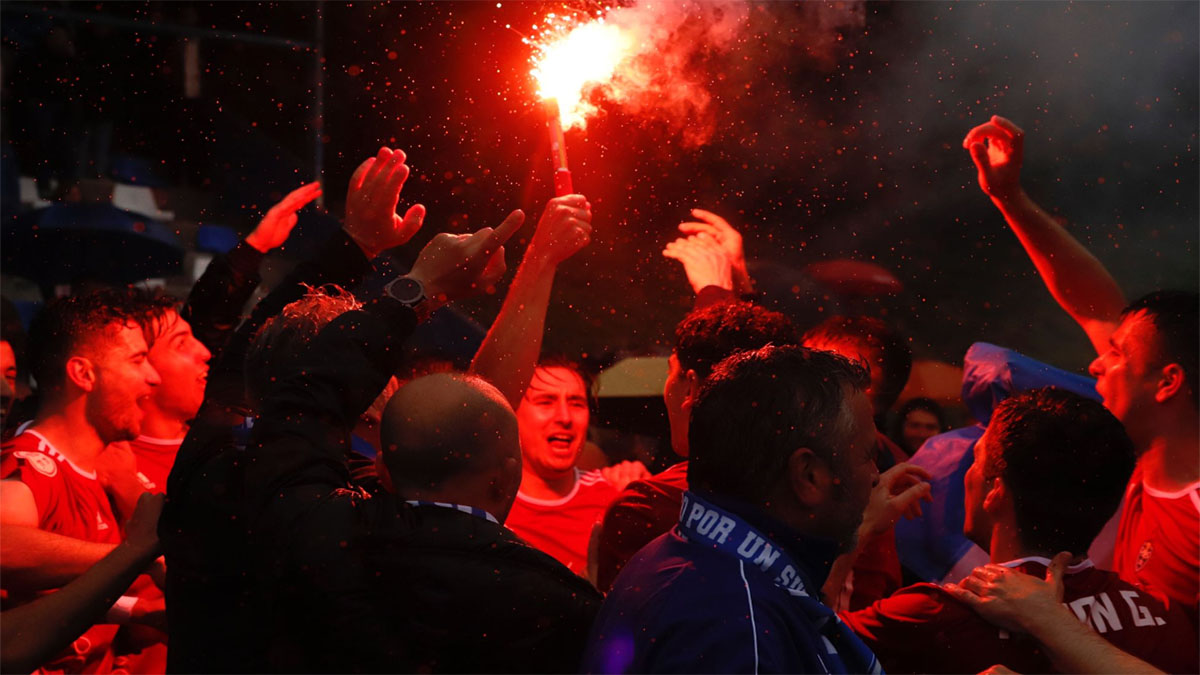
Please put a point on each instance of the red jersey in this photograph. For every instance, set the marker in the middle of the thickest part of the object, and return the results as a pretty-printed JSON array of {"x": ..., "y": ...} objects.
[
  {"x": 644, "y": 510},
  {"x": 1158, "y": 543},
  {"x": 922, "y": 629},
  {"x": 155, "y": 456},
  {"x": 70, "y": 502},
  {"x": 562, "y": 527}
]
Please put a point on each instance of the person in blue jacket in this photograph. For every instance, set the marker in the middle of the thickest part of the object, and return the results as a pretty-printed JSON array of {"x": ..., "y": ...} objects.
[{"x": 781, "y": 470}]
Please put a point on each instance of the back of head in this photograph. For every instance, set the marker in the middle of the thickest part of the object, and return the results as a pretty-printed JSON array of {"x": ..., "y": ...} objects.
[
  {"x": 445, "y": 427},
  {"x": 1176, "y": 319},
  {"x": 77, "y": 325},
  {"x": 1065, "y": 459},
  {"x": 885, "y": 349},
  {"x": 710, "y": 334},
  {"x": 758, "y": 407},
  {"x": 284, "y": 337}
]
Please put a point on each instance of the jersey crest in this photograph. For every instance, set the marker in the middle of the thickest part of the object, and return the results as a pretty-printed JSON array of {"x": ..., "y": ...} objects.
[
  {"x": 39, "y": 462},
  {"x": 1143, "y": 555}
]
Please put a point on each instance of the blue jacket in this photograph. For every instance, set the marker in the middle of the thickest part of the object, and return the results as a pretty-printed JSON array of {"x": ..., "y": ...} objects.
[{"x": 683, "y": 604}]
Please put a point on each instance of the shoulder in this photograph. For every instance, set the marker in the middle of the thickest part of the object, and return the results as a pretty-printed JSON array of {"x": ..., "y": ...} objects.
[{"x": 917, "y": 607}]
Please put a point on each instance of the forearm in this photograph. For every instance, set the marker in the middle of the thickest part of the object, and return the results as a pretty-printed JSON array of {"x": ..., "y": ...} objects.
[
  {"x": 33, "y": 633},
  {"x": 35, "y": 560},
  {"x": 508, "y": 355},
  {"x": 1076, "y": 279},
  {"x": 1075, "y": 648}
]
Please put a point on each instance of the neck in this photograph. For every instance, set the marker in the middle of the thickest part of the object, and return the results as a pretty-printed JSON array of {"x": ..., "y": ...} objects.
[
  {"x": 1005, "y": 546},
  {"x": 1170, "y": 461},
  {"x": 68, "y": 430},
  {"x": 157, "y": 424},
  {"x": 536, "y": 486}
]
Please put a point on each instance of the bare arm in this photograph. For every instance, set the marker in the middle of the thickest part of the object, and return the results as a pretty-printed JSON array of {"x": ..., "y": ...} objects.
[
  {"x": 1021, "y": 602},
  {"x": 33, "y": 633},
  {"x": 509, "y": 353},
  {"x": 1076, "y": 279}
]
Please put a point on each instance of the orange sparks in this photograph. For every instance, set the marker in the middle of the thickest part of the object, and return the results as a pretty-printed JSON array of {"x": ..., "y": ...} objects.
[{"x": 572, "y": 55}]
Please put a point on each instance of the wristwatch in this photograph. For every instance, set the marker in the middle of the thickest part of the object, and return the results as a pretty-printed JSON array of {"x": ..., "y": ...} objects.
[{"x": 407, "y": 290}]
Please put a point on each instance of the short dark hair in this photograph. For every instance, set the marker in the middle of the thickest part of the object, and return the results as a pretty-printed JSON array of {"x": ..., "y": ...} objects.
[
  {"x": 1177, "y": 321},
  {"x": 758, "y": 407},
  {"x": 585, "y": 375},
  {"x": 281, "y": 340},
  {"x": 879, "y": 339},
  {"x": 710, "y": 334},
  {"x": 1065, "y": 459},
  {"x": 67, "y": 325},
  {"x": 153, "y": 306}
]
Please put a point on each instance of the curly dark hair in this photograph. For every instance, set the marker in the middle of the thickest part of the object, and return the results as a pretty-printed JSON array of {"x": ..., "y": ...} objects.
[{"x": 710, "y": 334}]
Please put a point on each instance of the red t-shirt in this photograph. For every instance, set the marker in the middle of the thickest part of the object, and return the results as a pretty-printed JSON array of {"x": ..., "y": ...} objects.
[
  {"x": 72, "y": 503},
  {"x": 922, "y": 629},
  {"x": 644, "y": 510},
  {"x": 1158, "y": 543},
  {"x": 562, "y": 527},
  {"x": 155, "y": 456}
]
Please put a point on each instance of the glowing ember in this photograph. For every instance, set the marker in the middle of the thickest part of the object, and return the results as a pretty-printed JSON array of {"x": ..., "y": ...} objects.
[{"x": 572, "y": 54}]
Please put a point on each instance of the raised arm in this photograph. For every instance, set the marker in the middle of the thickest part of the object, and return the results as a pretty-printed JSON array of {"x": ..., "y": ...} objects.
[
  {"x": 1076, "y": 279},
  {"x": 214, "y": 306},
  {"x": 1023, "y": 603},
  {"x": 509, "y": 353}
]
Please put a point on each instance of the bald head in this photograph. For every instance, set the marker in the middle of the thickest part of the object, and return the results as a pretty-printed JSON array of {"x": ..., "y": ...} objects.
[{"x": 451, "y": 433}]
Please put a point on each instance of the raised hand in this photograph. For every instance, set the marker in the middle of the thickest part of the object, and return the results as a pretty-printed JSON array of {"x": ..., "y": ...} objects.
[
  {"x": 900, "y": 491},
  {"x": 998, "y": 149},
  {"x": 705, "y": 261},
  {"x": 564, "y": 228},
  {"x": 141, "y": 531},
  {"x": 371, "y": 219},
  {"x": 453, "y": 266},
  {"x": 1012, "y": 599},
  {"x": 275, "y": 227},
  {"x": 709, "y": 224}
]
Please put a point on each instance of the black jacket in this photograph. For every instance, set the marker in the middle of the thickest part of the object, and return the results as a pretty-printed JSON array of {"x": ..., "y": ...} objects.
[{"x": 351, "y": 581}]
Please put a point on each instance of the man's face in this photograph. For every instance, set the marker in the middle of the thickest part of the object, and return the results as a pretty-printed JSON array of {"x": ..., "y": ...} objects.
[
  {"x": 855, "y": 474},
  {"x": 919, "y": 425},
  {"x": 1125, "y": 378},
  {"x": 124, "y": 380},
  {"x": 8, "y": 364},
  {"x": 552, "y": 421},
  {"x": 977, "y": 524},
  {"x": 182, "y": 363},
  {"x": 674, "y": 395}
]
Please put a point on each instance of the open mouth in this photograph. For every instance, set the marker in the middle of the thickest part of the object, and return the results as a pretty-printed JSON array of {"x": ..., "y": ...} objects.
[{"x": 560, "y": 441}]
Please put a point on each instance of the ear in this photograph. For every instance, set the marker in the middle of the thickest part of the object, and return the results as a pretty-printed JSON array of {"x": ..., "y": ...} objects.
[
  {"x": 808, "y": 477},
  {"x": 1170, "y": 382},
  {"x": 691, "y": 390},
  {"x": 996, "y": 496},
  {"x": 81, "y": 372}
]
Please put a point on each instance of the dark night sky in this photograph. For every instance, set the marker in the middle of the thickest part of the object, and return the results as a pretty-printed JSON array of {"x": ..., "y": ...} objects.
[{"x": 830, "y": 132}]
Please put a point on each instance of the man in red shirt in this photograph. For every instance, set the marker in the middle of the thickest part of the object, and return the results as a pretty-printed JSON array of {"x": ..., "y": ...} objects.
[
  {"x": 557, "y": 505},
  {"x": 1146, "y": 372},
  {"x": 90, "y": 360},
  {"x": 1047, "y": 472}
]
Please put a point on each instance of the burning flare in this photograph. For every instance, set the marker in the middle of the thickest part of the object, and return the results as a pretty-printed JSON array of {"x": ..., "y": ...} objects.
[{"x": 572, "y": 54}]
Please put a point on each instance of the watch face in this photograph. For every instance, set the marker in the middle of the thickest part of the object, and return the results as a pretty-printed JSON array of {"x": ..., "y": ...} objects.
[{"x": 406, "y": 290}]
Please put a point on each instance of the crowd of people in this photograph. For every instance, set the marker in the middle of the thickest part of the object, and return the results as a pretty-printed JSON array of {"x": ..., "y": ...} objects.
[{"x": 197, "y": 487}]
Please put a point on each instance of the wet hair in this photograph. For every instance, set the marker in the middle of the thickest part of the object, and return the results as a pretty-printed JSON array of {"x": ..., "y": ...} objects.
[
  {"x": 73, "y": 324},
  {"x": 153, "y": 306},
  {"x": 281, "y": 340},
  {"x": 1065, "y": 460},
  {"x": 1177, "y": 323},
  {"x": 585, "y": 374},
  {"x": 710, "y": 334},
  {"x": 875, "y": 337},
  {"x": 758, "y": 407}
]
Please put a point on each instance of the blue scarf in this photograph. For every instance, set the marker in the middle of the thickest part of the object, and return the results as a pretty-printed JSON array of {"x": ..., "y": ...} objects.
[{"x": 837, "y": 649}]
